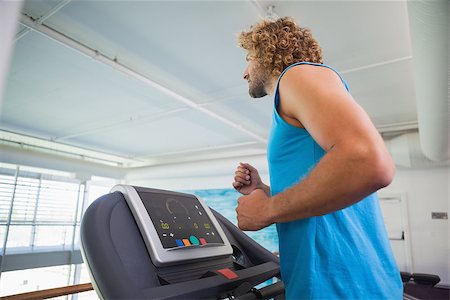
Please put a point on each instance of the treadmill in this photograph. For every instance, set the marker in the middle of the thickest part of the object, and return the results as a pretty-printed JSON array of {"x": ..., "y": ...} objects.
[{"x": 143, "y": 243}]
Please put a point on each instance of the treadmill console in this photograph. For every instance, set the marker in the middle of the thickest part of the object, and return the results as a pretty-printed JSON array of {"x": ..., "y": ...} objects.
[{"x": 176, "y": 227}]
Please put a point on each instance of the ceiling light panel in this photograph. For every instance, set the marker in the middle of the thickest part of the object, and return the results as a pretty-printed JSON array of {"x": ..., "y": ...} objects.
[
  {"x": 158, "y": 38},
  {"x": 385, "y": 92},
  {"x": 67, "y": 92},
  {"x": 181, "y": 131}
]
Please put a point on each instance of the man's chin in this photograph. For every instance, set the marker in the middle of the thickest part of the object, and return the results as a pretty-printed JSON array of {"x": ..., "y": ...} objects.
[{"x": 257, "y": 95}]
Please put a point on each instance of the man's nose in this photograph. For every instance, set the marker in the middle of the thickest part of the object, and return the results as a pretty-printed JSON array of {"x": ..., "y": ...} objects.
[{"x": 246, "y": 74}]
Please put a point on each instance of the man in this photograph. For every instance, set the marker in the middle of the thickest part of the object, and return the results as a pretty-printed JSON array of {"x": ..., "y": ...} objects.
[{"x": 326, "y": 160}]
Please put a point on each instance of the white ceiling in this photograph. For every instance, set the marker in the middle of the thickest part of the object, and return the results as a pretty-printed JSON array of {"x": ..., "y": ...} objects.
[{"x": 61, "y": 96}]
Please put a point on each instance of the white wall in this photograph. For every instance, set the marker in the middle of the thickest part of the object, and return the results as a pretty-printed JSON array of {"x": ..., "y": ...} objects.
[{"x": 426, "y": 190}]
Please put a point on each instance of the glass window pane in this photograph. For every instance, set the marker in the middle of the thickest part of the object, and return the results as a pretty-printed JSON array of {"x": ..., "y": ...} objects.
[
  {"x": 77, "y": 237},
  {"x": 19, "y": 236},
  {"x": 91, "y": 295},
  {"x": 69, "y": 235},
  {"x": 84, "y": 274},
  {"x": 25, "y": 200},
  {"x": 6, "y": 192},
  {"x": 2, "y": 236},
  {"x": 96, "y": 191},
  {"x": 84, "y": 278},
  {"x": 80, "y": 204},
  {"x": 53, "y": 235},
  {"x": 22, "y": 281},
  {"x": 57, "y": 202}
]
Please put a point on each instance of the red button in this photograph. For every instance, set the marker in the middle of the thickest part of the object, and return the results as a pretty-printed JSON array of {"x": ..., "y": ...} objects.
[
  {"x": 202, "y": 241},
  {"x": 227, "y": 273}
]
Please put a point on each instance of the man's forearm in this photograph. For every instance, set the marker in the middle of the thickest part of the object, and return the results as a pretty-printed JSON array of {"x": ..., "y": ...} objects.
[{"x": 340, "y": 179}]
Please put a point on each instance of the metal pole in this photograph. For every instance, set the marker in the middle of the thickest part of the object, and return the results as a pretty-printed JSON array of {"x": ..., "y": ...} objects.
[
  {"x": 33, "y": 224},
  {"x": 8, "y": 223}
]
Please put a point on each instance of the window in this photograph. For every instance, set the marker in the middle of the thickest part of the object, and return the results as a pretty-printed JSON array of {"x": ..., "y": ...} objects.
[
  {"x": 40, "y": 216},
  {"x": 37, "y": 209}
]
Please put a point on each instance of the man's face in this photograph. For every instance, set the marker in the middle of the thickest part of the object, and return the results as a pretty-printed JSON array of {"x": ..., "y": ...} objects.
[{"x": 257, "y": 77}]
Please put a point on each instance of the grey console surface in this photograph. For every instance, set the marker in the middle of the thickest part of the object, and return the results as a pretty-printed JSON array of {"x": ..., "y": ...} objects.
[{"x": 121, "y": 266}]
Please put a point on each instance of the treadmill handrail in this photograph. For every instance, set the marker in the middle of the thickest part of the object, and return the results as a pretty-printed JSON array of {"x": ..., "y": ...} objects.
[{"x": 214, "y": 285}]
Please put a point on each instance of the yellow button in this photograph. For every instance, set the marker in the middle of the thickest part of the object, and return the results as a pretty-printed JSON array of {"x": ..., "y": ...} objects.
[{"x": 186, "y": 242}]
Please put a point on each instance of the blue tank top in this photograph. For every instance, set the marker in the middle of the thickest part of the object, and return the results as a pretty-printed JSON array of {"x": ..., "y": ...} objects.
[{"x": 341, "y": 255}]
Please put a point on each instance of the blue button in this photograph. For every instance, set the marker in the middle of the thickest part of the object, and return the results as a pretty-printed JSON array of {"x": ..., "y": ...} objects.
[{"x": 179, "y": 243}]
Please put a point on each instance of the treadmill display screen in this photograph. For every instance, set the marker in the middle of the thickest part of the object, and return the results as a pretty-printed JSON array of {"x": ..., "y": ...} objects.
[{"x": 180, "y": 221}]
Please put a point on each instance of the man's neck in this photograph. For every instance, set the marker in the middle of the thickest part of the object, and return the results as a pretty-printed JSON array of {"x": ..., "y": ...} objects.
[{"x": 271, "y": 85}]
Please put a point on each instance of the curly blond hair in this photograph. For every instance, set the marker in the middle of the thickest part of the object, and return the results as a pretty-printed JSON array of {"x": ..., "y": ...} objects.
[{"x": 280, "y": 43}]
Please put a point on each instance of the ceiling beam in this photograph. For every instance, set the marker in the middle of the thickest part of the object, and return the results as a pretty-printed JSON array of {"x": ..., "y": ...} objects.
[
  {"x": 25, "y": 156},
  {"x": 44, "y": 17},
  {"x": 379, "y": 64},
  {"x": 147, "y": 118},
  {"x": 199, "y": 150},
  {"x": 42, "y": 145}
]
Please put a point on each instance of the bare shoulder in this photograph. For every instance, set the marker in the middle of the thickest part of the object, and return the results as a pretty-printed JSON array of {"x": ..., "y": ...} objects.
[
  {"x": 317, "y": 98},
  {"x": 310, "y": 77},
  {"x": 305, "y": 86}
]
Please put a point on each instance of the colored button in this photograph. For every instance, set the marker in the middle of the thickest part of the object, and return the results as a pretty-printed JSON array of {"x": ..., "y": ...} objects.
[
  {"x": 194, "y": 240},
  {"x": 186, "y": 242},
  {"x": 203, "y": 241},
  {"x": 227, "y": 273},
  {"x": 179, "y": 243}
]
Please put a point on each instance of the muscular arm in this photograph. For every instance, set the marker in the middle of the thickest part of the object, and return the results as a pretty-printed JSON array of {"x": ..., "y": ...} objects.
[{"x": 356, "y": 162}]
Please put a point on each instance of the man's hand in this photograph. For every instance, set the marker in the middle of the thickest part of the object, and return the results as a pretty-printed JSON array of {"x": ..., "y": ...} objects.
[
  {"x": 253, "y": 211},
  {"x": 247, "y": 180}
]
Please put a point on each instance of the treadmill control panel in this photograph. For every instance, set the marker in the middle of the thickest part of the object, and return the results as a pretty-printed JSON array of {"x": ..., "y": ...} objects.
[
  {"x": 180, "y": 221},
  {"x": 175, "y": 227}
]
